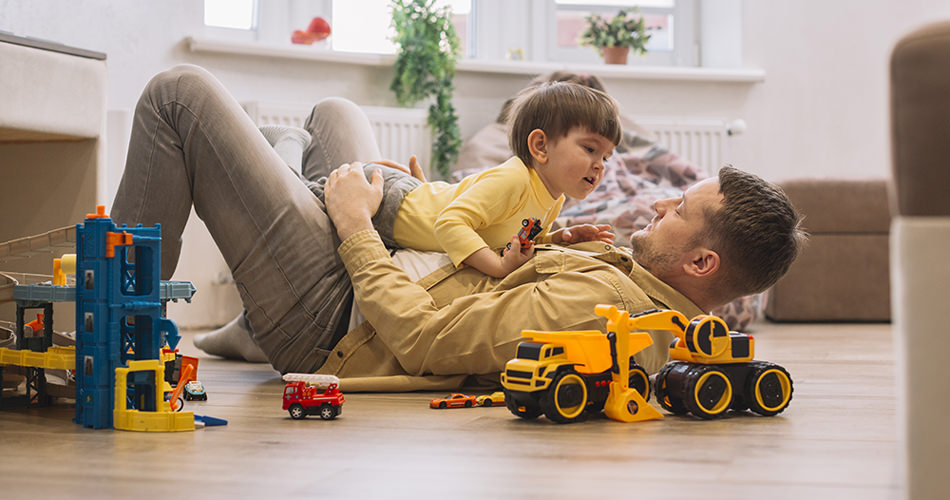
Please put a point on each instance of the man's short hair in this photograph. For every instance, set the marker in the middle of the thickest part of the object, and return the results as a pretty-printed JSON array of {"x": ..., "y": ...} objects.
[
  {"x": 756, "y": 231},
  {"x": 556, "y": 108}
]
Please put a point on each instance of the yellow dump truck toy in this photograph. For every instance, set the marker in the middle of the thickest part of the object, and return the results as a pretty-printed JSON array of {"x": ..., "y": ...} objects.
[{"x": 567, "y": 375}]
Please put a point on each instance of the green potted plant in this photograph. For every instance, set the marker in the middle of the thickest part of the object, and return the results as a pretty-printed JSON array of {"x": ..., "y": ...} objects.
[
  {"x": 614, "y": 38},
  {"x": 425, "y": 68}
]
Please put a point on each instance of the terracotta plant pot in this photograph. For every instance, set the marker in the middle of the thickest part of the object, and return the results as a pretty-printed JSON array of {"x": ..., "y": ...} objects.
[{"x": 615, "y": 55}]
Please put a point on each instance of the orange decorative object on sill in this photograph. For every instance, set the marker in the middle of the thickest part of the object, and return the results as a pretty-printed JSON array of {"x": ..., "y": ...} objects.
[
  {"x": 319, "y": 29},
  {"x": 615, "y": 55}
]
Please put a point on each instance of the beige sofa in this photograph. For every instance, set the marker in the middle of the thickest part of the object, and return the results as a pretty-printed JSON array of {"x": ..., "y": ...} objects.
[{"x": 920, "y": 118}]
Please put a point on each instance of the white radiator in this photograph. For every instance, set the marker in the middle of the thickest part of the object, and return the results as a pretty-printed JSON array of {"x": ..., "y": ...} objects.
[
  {"x": 400, "y": 132},
  {"x": 702, "y": 141}
]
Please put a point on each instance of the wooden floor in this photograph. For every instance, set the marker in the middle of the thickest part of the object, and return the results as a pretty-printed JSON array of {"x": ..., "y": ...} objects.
[{"x": 836, "y": 440}]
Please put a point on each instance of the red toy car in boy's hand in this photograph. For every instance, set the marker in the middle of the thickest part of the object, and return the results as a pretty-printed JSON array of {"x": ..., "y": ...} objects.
[
  {"x": 454, "y": 400},
  {"x": 530, "y": 228}
]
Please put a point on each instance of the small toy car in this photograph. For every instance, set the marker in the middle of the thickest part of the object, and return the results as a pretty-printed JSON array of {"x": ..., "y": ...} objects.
[
  {"x": 530, "y": 228},
  {"x": 454, "y": 400},
  {"x": 493, "y": 399},
  {"x": 194, "y": 391}
]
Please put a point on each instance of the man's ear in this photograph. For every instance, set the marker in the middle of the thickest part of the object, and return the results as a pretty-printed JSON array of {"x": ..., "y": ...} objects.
[
  {"x": 538, "y": 145},
  {"x": 702, "y": 263}
]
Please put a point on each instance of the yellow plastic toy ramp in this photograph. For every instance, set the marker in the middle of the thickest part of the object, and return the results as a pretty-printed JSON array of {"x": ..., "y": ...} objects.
[
  {"x": 55, "y": 358},
  {"x": 164, "y": 420},
  {"x": 588, "y": 347}
]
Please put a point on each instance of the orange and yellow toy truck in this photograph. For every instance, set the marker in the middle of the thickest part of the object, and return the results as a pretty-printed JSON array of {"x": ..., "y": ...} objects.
[
  {"x": 568, "y": 375},
  {"x": 714, "y": 372}
]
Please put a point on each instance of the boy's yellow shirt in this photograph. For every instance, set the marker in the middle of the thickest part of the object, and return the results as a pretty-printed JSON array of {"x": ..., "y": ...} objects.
[{"x": 483, "y": 210}]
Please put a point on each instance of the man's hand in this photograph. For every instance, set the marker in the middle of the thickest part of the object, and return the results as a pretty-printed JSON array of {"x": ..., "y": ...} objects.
[
  {"x": 581, "y": 233},
  {"x": 413, "y": 169},
  {"x": 351, "y": 201}
]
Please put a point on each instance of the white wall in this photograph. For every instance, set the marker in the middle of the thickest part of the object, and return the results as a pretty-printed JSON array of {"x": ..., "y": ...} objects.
[{"x": 822, "y": 110}]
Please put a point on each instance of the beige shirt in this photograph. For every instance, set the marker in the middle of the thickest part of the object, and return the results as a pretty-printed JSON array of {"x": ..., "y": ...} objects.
[{"x": 458, "y": 327}]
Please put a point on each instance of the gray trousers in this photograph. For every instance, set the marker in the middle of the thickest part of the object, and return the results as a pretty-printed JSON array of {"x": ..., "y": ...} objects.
[{"x": 193, "y": 145}]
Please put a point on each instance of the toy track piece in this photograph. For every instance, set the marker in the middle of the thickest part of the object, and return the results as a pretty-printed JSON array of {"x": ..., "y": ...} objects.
[
  {"x": 566, "y": 398},
  {"x": 708, "y": 392},
  {"x": 664, "y": 394},
  {"x": 770, "y": 389},
  {"x": 639, "y": 380}
]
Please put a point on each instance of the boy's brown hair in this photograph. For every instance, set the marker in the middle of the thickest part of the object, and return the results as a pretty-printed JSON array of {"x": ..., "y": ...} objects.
[{"x": 556, "y": 108}]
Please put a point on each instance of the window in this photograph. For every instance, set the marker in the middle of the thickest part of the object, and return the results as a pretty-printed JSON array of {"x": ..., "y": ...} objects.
[
  {"x": 567, "y": 19},
  {"x": 235, "y": 14},
  {"x": 364, "y": 25},
  {"x": 535, "y": 30}
]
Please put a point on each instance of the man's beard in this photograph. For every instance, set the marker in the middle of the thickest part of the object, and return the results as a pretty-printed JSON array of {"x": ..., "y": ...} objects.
[{"x": 658, "y": 262}]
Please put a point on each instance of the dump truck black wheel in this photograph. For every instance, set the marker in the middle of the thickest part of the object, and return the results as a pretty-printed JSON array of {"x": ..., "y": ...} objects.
[
  {"x": 639, "y": 380},
  {"x": 526, "y": 410},
  {"x": 566, "y": 398}
]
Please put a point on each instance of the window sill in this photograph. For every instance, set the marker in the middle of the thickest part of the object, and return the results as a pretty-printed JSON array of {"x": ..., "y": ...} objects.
[{"x": 309, "y": 53}]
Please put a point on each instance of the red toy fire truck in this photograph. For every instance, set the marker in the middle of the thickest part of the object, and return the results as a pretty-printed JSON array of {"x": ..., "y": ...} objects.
[{"x": 310, "y": 394}]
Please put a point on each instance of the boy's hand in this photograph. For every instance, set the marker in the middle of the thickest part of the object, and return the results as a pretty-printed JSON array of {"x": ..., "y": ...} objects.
[
  {"x": 583, "y": 232},
  {"x": 513, "y": 256},
  {"x": 489, "y": 262},
  {"x": 414, "y": 169}
]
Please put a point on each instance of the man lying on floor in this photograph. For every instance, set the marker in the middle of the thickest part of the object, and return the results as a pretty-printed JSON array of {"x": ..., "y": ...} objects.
[{"x": 299, "y": 264}]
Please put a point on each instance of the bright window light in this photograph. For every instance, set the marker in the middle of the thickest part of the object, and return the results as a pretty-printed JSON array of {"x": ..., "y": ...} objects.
[
  {"x": 619, "y": 3},
  {"x": 364, "y": 25},
  {"x": 237, "y": 14}
]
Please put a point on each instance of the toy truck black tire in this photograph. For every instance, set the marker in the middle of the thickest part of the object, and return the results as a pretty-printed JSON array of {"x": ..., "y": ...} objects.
[
  {"x": 665, "y": 392},
  {"x": 769, "y": 389},
  {"x": 297, "y": 411},
  {"x": 565, "y": 399},
  {"x": 328, "y": 412},
  {"x": 522, "y": 404},
  {"x": 709, "y": 391}
]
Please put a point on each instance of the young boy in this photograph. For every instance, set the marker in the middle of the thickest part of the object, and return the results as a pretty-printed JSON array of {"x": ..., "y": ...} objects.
[{"x": 560, "y": 132}]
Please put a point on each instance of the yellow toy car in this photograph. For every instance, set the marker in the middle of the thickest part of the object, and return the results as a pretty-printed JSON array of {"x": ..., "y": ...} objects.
[{"x": 493, "y": 399}]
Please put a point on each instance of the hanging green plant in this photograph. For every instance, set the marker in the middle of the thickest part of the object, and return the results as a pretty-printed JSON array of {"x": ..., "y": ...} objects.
[{"x": 425, "y": 67}]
